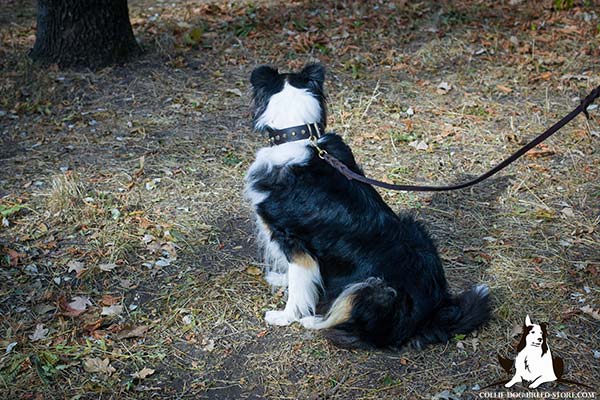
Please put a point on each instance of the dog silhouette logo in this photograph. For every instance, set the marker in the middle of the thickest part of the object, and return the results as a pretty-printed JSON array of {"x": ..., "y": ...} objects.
[{"x": 534, "y": 362}]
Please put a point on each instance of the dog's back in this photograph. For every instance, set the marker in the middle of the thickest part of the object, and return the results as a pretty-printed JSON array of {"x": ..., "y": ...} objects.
[{"x": 380, "y": 277}]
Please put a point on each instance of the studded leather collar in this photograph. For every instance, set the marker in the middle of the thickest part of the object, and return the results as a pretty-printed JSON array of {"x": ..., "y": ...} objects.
[{"x": 300, "y": 132}]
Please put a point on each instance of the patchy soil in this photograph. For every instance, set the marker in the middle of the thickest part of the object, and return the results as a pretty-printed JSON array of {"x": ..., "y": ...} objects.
[{"x": 128, "y": 264}]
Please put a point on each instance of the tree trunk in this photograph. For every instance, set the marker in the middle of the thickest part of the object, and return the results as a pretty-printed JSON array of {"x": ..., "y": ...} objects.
[{"x": 86, "y": 33}]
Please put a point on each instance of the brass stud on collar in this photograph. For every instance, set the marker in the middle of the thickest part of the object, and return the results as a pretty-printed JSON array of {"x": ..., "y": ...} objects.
[
  {"x": 303, "y": 132},
  {"x": 293, "y": 133},
  {"x": 277, "y": 137},
  {"x": 284, "y": 135}
]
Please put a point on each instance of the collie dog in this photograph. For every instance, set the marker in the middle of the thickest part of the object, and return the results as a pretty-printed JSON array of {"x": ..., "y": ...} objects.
[
  {"x": 534, "y": 362},
  {"x": 352, "y": 267}
]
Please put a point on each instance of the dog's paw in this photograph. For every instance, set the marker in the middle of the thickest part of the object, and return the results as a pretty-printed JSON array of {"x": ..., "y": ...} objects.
[
  {"x": 534, "y": 385},
  {"x": 280, "y": 318},
  {"x": 311, "y": 322},
  {"x": 276, "y": 279}
]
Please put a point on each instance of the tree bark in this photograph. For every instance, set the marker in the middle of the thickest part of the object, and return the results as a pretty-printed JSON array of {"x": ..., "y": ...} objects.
[{"x": 85, "y": 33}]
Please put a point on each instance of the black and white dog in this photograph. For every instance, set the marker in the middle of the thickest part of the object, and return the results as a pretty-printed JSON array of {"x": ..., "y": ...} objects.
[
  {"x": 534, "y": 362},
  {"x": 351, "y": 265}
]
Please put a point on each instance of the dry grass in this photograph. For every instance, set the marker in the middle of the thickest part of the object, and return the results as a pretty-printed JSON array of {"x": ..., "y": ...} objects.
[{"x": 140, "y": 163}]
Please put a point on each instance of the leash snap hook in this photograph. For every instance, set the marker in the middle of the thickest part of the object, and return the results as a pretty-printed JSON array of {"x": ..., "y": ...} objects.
[
  {"x": 320, "y": 152},
  {"x": 313, "y": 141}
]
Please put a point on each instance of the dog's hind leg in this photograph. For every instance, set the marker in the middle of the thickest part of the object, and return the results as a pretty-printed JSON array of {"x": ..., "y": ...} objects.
[{"x": 304, "y": 284}]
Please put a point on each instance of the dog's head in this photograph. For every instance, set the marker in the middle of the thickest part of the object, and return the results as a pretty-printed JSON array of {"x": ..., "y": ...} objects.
[
  {"x": 286, "y": 100},
  {"x": 534, "y": 335}
]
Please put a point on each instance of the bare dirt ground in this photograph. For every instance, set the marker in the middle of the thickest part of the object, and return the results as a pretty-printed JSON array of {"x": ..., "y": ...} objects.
[{"x": 128, "y": 263}]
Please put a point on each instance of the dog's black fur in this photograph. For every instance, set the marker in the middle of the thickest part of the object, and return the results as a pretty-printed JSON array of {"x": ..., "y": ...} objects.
[{"x": 347, "y": 227}]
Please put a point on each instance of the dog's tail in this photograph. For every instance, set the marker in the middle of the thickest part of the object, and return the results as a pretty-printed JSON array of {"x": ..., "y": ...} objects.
[
  {"x": 372, "y": 313},
  {"x": 362, "y": 316},
  {"x": 455, "y": 316}
]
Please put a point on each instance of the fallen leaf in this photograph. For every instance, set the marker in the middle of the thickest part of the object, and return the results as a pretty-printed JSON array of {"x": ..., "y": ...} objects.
[
  {"x": 169, "y": 250},
  {"x": 39, "y": 333},
  {"x": 504, "y": 89},
  {"x": 143, "y": 374},
  {"x": 516, "y": 330},
  {"x": 460, "y": 389},
  {"x": 542, "y": 150},
  {"x": 262, "y": 333},
  {"x": 544, "y": 76},
  {"x": 543, "y": 213},
  {"x": 76, "y": 266},
  {"x": 162, "y": 262},
  {"x": 193, "y": 37},
  {"x": 43, "y": 308},
  {"x": 153, "y": 246},
  {"x": 95, "y": 364},
  {"x": 127, "y": 284},
  {"x": 445, "y": 395},
  {"x": 10, "y": 347},
  {"x": 568, "y": 212},
  {"x": 147, "y": 239},
  {"x": 107, "y": 267},
  {"x": 419, "y": 145},
  {"x": 181, "y": 24},
  {"x": 592, "y": 312},
  {"x": 208, "y": 345},
  {"x": 6, "y": 211},
  {"x": 254, "y": 271},
  {"x": 77, "y": 306},
  {"x": 128, "y": 333},
  {"x": 235, "y": 91},
  {"x": 113, "y": 310},
  {"x": 14, "y": 257},
  {"x": 66, "y": 309},
  {"x": 444, "y": 87},
  {"x": 93, "y": 325},
  {"x": 109, "y": 300}
]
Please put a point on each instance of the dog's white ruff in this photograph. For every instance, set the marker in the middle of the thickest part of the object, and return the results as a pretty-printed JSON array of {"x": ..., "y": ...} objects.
[{"x": 290, "y": 107}]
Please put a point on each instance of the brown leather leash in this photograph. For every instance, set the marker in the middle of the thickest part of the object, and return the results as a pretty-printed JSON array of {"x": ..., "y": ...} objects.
[{"x": 348, "y": 173}]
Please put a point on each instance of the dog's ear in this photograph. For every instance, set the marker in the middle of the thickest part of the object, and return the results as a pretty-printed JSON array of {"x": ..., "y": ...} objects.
[
  {"x": 262, "y": 75},
  {"x": 528, "y": 321},
  {"x": 544, "y": 327},
  {"x": 314, "y": 74}
]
